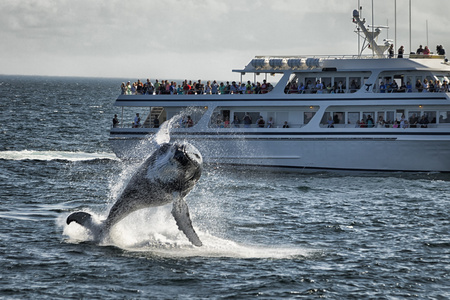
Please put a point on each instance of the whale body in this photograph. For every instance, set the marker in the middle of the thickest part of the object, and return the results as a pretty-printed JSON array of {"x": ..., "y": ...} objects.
[{"x": 168, "y": 175}]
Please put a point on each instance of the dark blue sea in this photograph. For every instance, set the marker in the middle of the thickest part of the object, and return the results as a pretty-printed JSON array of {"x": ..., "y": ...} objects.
[{"x": 266, "y": 234}]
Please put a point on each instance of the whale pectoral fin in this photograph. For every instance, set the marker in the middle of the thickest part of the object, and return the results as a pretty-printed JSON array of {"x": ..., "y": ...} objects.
[
  {"x": 180, "y": 212},
  {"x": 82, "y": 218}
]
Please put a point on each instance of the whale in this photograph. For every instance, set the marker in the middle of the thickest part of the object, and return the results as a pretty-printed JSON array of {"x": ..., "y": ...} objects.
[{"x": 166, "y": 176}]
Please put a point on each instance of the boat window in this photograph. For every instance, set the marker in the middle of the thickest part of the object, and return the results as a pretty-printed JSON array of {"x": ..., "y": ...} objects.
[
  {"x": 307, "y": 116},
  {"x": 390, "y": 117},
  {"x": 340, "y": 83},
  {"x": 431, "y": 115},
  {"x": 355, "y": 84},
  {"x": 353, "y": 118},
  {"x": 444, "y": 117},
  {"x": 339, "y": 118},
  {"x": 368, "y": 118},
  {"x": 326, "y": 116}
]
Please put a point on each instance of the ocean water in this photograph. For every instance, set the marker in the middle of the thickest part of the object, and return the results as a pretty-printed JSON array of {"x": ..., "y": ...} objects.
[{"x": 266, "y": 234}]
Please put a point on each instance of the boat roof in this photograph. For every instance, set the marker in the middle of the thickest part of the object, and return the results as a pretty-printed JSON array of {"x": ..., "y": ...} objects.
[{"x": 367, "y": 63}]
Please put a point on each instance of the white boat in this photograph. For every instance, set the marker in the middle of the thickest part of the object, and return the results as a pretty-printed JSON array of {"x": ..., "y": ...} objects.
[{"x": 362, "y": 112}]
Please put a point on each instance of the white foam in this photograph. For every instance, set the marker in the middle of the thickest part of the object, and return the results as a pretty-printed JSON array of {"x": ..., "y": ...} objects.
[
  {"x": 155, "y": 232},
  {"x": 55, "y": 155}
]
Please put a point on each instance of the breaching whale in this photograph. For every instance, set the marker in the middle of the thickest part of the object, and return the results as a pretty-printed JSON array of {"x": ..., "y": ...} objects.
[{"x": 168, "y": 175}]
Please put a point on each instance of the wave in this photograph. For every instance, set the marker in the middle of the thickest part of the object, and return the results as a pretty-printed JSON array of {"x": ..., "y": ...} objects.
[{"x": 55, "y": 155}]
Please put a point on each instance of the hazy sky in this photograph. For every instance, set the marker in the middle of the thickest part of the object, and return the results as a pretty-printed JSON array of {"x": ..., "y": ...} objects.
[{"x": 191, "y": 39}]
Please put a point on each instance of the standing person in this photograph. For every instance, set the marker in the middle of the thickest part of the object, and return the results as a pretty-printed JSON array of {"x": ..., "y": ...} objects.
[
  {"x": 391, "y": 51},
  {"x": 137, "y": 121},
  {"x": 419, "y": 50},
  {"x": 247, "y": 120},
  {"x": 401, "y": 50},
  {"x": 261, "y": 122},
  {"x": 426, "y": 51},
  {"x": 115, "y": 121},
  {"x": 236, "y": 121}
]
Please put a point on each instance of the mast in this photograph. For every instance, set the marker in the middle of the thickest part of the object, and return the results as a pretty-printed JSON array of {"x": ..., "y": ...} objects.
[{"x": 370, "y": 37}]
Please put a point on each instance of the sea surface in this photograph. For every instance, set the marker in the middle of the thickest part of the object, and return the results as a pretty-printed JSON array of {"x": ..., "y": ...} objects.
[{"x": 266, "y": 234}]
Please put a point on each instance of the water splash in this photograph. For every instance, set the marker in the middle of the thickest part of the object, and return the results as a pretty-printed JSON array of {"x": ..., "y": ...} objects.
[{"x": 55, "y": 155}]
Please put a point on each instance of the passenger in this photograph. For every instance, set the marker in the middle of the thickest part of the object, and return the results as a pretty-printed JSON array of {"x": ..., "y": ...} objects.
[
  {"x": 285, "y": 124},
  {"x": 353, "y": 86},
  {"x": 199, "y": 87},
  {"x": 156, "y": 85},
  {"x": 319, "y": 87},
  {"x": 426, "y": 51},
  {"x": 123, "y": 89},
  {"x": 150, "y": 87},
  {"x": 380, "y": 122},
  {"x": 440, "y": 50},
  {"x": 247, "y": 120},
  {"x": 424, "y": 121},
  {"x": 419, "y": 86},
  {"x": 137, "y": 121},
  {"x": 408, "y": 87},
  {"x": 301, "y": 88},
  {"x": 444, "y": 87},
  {"x": 391, "y": 51},
  {"x": 261, "y": 122},
  {"x": 128, "y": 88},
  {"x": 180, "y": 90},
  {"x": 394, "y": 87},
  {"x": 330, "y": 122},
  {"x": 401, "y": 50},
  {"x": 228, "y": 88},
  {"x": 362, "y": 124},
  {"x": 425, "y": 85},
  {"x": 236, "y": 121},
  {"x": 227, "y": 123},
  {"x": 249, "y": 88},
  {"x": 419, "y": 50},
  {"x": 341, "y": 87},
  {"x": 403, "y": 122},
  {"x": 139, "y": 88},
  {"x": 413, "y": 120},
  {"x": 222, "y": 88},
  {"x": 395, "y": 124},
  {"x": 258, "y": 88},
  {"x": 214, "y": 88},
  {"x": 156, "y": 122},
  {"x": 293, "y": 88},
  {"x": 264, "y": 87},
  {"x": 182, "y": 122},
  {"x": 369, "y": 122},
  {"x": 116, "y": 120},
  {"x": 189, "y": 122},
  {"x": 329, "y": 88},
  {"x": 186, "y": 87},
  {"x": 270, "y": 123},
  {"x": 133, "y": 88},
  {"x": 234, "y": 88},
  {"x": 402, "y": 88},
  {"x": 208, "y": 88},
  {"x": 437, "y": 86},
  {"x": 382, "y": 87},
  {"x": 242, "y": 88},
  {"x": 431, "y": 86}
]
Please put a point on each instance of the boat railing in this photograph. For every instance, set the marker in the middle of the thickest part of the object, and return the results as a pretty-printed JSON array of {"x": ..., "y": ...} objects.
[{"x": 354, "y": 56}]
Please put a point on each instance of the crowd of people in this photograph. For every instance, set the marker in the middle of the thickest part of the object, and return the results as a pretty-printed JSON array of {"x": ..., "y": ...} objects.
[{"x": 193, "y": 88}]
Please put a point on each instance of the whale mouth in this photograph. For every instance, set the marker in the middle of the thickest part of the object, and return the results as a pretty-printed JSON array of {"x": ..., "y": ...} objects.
[{"x": 185, "y": 155}]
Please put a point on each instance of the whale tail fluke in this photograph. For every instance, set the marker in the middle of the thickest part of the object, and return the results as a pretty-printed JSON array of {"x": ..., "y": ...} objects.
[
  {"x": 82, "y": 218},
  {"x": 86, "y": 220}
]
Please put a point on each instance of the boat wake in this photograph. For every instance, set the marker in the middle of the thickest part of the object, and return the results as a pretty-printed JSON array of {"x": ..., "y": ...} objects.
[
  {"x": 55, "y": 155},
  {"x": 154, "y": 232}
]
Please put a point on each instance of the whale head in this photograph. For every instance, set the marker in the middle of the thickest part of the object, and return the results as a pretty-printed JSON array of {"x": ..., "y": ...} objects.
[{"x": 175, "y": 164}]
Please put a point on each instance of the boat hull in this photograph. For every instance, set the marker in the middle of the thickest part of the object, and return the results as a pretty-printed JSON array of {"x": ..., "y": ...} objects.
[{"x": 375, "y": 153}]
